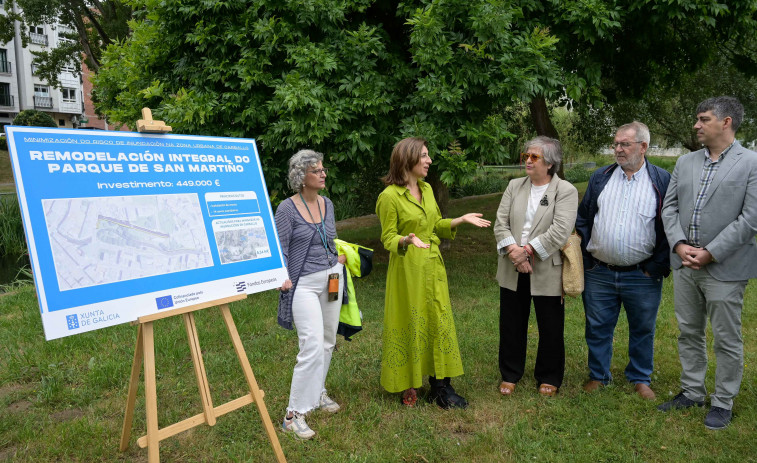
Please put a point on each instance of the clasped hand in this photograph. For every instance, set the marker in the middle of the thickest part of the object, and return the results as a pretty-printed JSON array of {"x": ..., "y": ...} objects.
[
  {"x": 520, "y": 258},
  {"x": 693, "y": 258}
]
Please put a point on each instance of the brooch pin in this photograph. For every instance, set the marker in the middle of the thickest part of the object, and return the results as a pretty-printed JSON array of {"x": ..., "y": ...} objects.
[{"x": 544, "y": 201}]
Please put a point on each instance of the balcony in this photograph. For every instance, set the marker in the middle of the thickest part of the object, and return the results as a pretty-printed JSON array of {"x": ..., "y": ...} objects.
[
  {"x": 6, "y": 101},
  {"x": 43, "y": 102},
  {"x": 5, "y": 68},
  {"x": 39, "y": 39}
]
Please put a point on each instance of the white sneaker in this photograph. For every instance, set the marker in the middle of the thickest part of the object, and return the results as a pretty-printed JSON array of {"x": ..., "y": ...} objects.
[
  {"x": 327, "y": 404},
  {"x": 298, "y": 426}
]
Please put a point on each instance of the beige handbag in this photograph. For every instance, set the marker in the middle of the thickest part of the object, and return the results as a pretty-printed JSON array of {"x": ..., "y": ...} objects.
[{"x": 572, "y": 266}]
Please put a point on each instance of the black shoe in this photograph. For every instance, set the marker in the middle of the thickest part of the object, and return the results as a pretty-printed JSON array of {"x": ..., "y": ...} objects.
[
  {"x": 446, "y": 397},
  {"x": 717, "y": 418},
  {"x": 680, "y": 401}
]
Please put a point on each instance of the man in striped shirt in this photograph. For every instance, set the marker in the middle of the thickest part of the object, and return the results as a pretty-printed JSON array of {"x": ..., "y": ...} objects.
[
  {"x": 626, "y": 256},
  {"x": 710, "y": 215}
]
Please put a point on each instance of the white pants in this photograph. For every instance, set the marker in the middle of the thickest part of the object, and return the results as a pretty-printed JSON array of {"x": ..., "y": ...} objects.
[{"x": 316, "y": 320}]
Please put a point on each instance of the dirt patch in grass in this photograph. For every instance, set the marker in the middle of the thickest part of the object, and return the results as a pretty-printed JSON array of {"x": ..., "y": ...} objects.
[
  {"x": 7, "y": 454},
  {"x": 19, "y": 407},
  {"x": 67, "y": 414},
  {"x": 10, "y": 389}
]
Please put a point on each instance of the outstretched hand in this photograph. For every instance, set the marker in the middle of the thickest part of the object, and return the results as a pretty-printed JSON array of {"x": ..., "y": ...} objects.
[
  {"x": 474, "y": 218},
  {"x": 415, "y": 241}
]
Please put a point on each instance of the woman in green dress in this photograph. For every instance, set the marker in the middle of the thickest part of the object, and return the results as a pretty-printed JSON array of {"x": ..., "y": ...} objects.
[{"x": 419, "y": 331}]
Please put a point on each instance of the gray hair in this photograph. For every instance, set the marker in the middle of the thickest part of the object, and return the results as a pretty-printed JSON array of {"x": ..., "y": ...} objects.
[
  {"x": 551, "y": 150},
  {"x": 722, "y": 107},
  {"x": 299, "y": 165},
  {"x": 640, "y": 129}
]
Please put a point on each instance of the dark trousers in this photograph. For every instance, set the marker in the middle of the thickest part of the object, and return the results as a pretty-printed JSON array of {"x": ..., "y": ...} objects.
[{"x": 514, "y": 311}]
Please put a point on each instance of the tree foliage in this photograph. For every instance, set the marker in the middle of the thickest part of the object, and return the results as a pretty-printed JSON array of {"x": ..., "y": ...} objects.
[
  {"x": 669, "y": 109},
  {"x": 92, "y": 24},
  {"x": 612, "y": 50},
  {"x": 346, "y": 77},
  {"x": 32, "y": 117}
]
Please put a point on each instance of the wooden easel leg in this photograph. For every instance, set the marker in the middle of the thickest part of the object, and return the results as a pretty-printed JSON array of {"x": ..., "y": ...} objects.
[
  {"x": 199, "y": 366},
  {"x": 151, "y": 396},
  {"x": 131, "y": 399},
  {"x": 254, "y": 389}
]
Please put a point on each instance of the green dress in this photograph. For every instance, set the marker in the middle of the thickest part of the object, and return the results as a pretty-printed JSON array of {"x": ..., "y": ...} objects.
[{"x": 419, "y": 331}]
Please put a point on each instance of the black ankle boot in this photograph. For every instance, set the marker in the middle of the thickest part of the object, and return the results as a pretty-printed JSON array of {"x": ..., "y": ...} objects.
[{"x": 444, "y": 395}]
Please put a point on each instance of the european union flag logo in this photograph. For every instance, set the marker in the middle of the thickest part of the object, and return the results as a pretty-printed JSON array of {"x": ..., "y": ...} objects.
[
  {"x": 72, "y": 321},
  {"x": 164, "y": 302}
]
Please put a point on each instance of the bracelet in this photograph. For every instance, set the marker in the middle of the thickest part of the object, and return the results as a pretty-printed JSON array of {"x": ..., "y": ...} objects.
[{"x": 404, "y": 243}]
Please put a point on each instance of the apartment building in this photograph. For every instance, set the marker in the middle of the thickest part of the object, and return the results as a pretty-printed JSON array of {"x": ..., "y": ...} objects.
[{"x": 21, "y": 88}]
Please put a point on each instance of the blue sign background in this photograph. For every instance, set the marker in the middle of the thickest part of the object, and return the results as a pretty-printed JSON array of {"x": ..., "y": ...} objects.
[{"x": 37, "y": 179}]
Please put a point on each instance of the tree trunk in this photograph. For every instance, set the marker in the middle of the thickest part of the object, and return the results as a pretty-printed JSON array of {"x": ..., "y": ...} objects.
[{"x": 543, "y": 124}]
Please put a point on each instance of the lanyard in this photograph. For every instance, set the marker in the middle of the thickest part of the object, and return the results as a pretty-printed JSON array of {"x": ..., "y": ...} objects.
[{"x": 321, "y": 231}]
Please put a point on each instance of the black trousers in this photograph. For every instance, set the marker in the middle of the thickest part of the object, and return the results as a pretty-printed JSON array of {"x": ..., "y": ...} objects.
[{"x": 514, "y": 311}]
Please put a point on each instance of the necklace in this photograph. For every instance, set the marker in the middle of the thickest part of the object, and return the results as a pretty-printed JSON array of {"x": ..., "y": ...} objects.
[{"x": 321, "y": 231}]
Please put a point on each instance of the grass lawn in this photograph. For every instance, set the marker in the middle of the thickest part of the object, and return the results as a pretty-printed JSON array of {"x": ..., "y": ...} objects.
[
  {"x": 6, "y": 173},
  {"x": 63, "y": 400}
]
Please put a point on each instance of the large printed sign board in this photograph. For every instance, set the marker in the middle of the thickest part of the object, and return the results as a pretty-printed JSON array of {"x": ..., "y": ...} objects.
[{"x": 121, "y": 225}]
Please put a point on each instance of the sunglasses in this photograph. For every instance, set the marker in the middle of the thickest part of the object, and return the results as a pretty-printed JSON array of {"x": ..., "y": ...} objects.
[{"x": 526, "y": 156}]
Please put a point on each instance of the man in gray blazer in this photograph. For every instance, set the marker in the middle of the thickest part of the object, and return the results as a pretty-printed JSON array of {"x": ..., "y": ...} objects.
[{"x": 710, "y": 217}]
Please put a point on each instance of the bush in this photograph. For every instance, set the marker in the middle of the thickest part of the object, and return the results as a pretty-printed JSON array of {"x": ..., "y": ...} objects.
[
  {"x": 32, "y": 117},
  {"x": 578, "y": 174},
  {"x": 3, "y": 143},
  {"x": 482, "y": 184}
]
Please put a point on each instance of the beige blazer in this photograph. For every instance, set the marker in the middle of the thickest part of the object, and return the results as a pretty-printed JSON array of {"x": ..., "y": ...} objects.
[{"x": 552, "y": 224}]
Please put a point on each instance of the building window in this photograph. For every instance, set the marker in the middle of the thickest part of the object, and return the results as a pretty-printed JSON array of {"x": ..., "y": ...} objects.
[
  {"x": 61, "y": 122},
  {"x": 69, "y": 95},
  {"x": 5, "y": 95},
  {"x": 37, "y": 35},
  {"x": 41, "y": 90},
  {"x": 5, "y": 65},
  {"x": 42, "y": 99}
]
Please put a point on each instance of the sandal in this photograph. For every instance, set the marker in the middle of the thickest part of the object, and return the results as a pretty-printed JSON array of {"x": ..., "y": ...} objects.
[
  {"x": 547, "y": 390},
  {"x": 409, "y": 397},
  {"x": 506, "y": 388}
]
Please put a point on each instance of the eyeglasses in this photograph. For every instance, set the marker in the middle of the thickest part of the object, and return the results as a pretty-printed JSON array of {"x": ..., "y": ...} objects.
[
  {"x": 623, "y": 144},
  {"x": 526, "y": 156},
  {"x": 318, "y": 172}
]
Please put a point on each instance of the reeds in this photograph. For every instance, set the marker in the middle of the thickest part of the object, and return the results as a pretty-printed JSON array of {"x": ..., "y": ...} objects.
[{"x": 12, "y": 240}]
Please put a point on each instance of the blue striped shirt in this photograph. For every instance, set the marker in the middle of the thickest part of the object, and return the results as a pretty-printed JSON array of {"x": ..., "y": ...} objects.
[{"x": 623, "y": 232}]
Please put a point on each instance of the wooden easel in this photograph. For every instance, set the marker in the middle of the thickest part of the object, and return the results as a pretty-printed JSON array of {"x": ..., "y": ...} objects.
[{"x": 145, "y": 351}]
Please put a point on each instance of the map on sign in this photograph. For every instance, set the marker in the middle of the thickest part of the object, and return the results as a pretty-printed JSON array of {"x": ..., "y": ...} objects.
[
  {"x": 241, "y": 239},
  {"x": 124, "y": 225},
  {"x": 105, "y": 240}
]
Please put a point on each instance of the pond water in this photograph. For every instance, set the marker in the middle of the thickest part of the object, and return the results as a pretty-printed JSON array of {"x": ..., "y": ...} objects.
[{"x": 9, "y": 267}]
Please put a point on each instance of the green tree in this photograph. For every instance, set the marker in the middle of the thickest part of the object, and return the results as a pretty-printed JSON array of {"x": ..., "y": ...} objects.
[
  {"x": 32, "y": 117},
  {"x": 668, "y": 108},
  {"x": 94, "y": 25},
  {"x": 348, "y": 78},
  {"x": 610, "y": 50}
]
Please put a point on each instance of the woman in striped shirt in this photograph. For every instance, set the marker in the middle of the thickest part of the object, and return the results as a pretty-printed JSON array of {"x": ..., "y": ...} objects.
[{"x": 312, "y": 296}]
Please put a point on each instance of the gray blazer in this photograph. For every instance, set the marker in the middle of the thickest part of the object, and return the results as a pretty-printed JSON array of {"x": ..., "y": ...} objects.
[
  {"x": 552, "y": 223},
  {"x": 729, "y": 214}
]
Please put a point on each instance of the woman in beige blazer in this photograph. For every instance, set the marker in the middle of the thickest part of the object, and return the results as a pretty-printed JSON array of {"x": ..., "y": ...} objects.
[{"x": 534, "y": 220}]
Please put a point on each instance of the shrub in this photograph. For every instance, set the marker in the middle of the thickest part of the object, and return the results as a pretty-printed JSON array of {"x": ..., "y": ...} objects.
[
  {"x": 3, "y": 143},
  {"x": 578, "y": 174},
  {"x": 32, "y": 117},
  {"x": 12, "y": 241}
]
